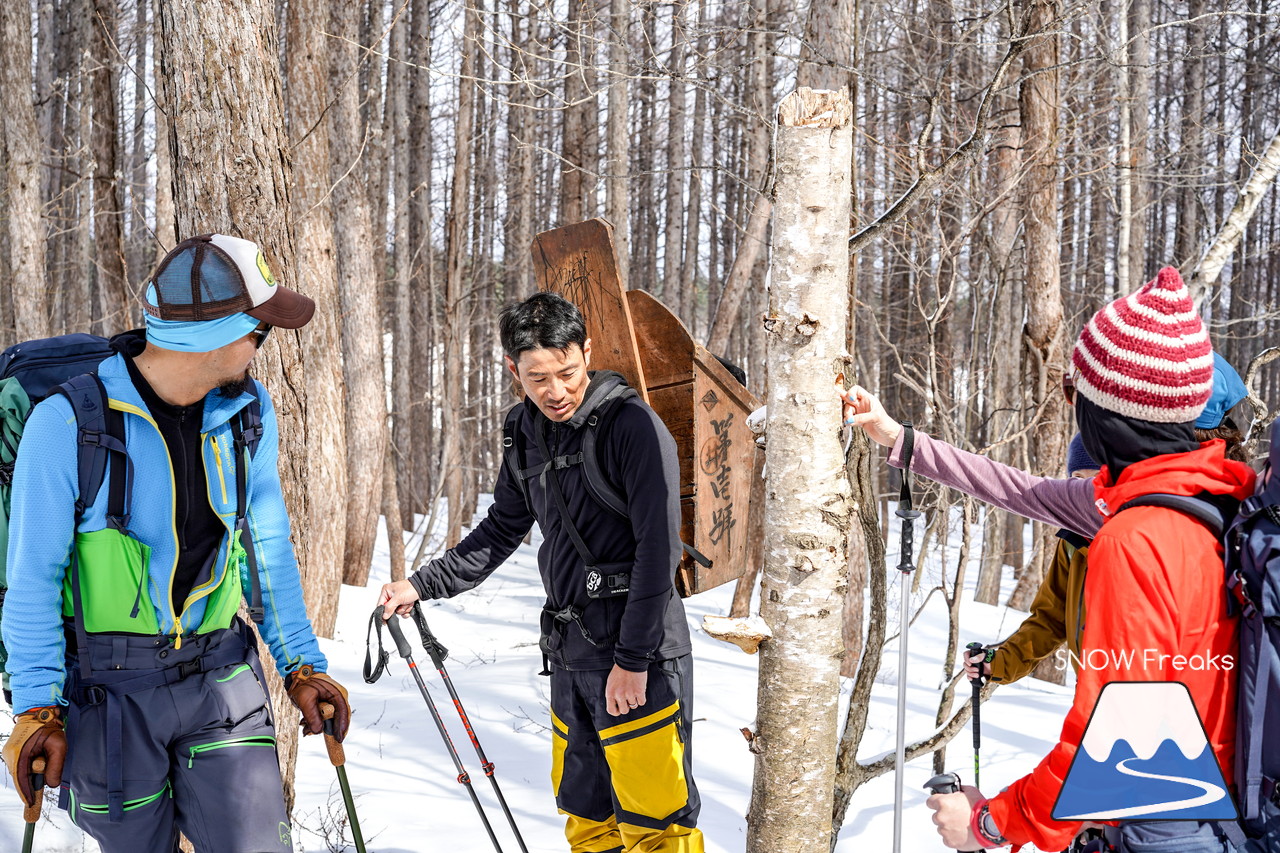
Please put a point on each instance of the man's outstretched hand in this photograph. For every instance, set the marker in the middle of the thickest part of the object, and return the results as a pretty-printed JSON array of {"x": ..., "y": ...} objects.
[
  {"x": 862, "y": 409},
  {"x": 397, "y": 597}
]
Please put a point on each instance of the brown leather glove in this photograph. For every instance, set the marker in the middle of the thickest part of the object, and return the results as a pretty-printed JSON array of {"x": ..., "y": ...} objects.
[
  {"x": 36, "y": 733},
  {"x": 308, "y": 688}
]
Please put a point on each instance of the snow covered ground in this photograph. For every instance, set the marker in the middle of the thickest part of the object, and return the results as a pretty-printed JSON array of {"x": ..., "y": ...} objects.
[{"x": 404, "y": 782}]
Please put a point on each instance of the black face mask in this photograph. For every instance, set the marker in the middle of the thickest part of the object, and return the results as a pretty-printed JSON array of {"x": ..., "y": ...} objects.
[{"x": 1117, "y": 441}]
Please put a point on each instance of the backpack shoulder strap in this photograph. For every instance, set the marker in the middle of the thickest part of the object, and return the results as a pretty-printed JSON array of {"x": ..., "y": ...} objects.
[
  {"x": 513, "y": 451},
  {"x": 246, "y": 432},
  {"x": 247, "y": 425},
  {"x": 598, "y": 484},
  {"x": 1210, "y": 514},
  {"x": 99, "y": 440},
  {"x": 603, "y": 491},
  {"x": 1207, "y": 512}
]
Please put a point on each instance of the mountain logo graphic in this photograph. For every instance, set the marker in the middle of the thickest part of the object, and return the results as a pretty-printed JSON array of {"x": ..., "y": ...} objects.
[{"x": 1144, "y": 755}]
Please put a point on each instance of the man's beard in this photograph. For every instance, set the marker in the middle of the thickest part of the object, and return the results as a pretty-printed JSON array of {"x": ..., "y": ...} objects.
[{"x": 233, "y": 388}]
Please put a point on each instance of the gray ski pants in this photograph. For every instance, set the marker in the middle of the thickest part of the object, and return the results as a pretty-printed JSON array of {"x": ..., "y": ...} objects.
[{"x": 197, "y": 755}]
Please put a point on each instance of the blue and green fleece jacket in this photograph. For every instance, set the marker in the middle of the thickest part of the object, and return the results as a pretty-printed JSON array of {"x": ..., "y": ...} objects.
[{"x": 45, "y": 489}]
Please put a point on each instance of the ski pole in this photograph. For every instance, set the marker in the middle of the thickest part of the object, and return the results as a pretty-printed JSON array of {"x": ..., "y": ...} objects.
[
  {"x": 906, "y": 565},
  {"x": 338, "y": 758},
  {"x": 977, "y": 683},
  {"x": 402, "y": 645},
  {"x": 946, "y": 783},
  {"x": 31, "y": 813},
  {"x": 438, "y": 653}
]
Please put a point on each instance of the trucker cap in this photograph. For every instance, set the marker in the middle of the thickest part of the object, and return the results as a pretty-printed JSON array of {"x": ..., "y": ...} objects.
[{"x": 214, "y": 276}]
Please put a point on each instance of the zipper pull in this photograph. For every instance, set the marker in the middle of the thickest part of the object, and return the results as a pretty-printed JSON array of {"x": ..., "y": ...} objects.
[{"x": 137, "y": 599}]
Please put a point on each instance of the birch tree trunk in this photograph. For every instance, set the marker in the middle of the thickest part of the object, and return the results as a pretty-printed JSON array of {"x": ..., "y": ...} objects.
[
  {"x": 307, "y": 98},
  {"x": 21, "y": 149},
  {"x": 1232, "y": 229},
  {"x": 808, "y": 506},
  {"x": 359, "y": 294},
  {"x": 218, "y": 67}
]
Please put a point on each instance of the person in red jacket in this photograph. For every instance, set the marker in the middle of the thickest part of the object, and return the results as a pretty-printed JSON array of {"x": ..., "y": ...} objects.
[{"x": 1143, "y": 369}]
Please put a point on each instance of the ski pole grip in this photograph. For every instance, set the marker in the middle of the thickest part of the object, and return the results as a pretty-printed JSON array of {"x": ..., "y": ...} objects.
[
  {"x": 982, "y": 664},
  {"x": 945, "y": 783},
  {"x": 337, "y": 757},
  {"x": 402, "y": 645},
  {"x": 31, "y": 813}
]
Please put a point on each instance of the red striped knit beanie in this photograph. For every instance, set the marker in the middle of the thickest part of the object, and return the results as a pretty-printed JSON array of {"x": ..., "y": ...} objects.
[{"x": 1147, "y": 356}]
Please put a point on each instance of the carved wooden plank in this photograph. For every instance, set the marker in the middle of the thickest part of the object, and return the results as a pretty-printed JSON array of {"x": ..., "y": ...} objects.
[
  {"x": 723, "y": 464},
  {"x": 579, "y": 262},
  {"x": 665, "y": 346},
  {"x": 706, "y": 409}
]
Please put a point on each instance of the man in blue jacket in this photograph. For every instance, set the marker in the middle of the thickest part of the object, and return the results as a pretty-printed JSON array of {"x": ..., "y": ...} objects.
[
  {"x": 128, "y": 661},
  {"x": 621, "y": 666}
]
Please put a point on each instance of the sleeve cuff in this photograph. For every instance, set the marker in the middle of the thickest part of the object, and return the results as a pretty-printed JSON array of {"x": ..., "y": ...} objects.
[
  {"x": 419, "y": 586},
  {"x": 895, "y": 452},
  {"x": 982, "y": 826},
  {"x": 631, "y": 663}
]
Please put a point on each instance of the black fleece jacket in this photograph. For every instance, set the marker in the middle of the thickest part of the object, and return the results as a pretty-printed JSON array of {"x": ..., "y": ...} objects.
[{"x": 638, "y": 456}]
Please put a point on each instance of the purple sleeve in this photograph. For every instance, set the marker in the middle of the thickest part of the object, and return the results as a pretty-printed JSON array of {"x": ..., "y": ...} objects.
[{"x": 1063, "y": 503}]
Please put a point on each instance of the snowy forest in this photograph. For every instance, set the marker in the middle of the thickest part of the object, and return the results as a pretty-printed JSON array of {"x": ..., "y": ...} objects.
[{"x": 1014, "y": 165}]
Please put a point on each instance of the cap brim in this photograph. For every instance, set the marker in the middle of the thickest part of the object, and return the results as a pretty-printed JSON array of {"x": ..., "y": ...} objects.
[{"x": 287, "y": 309}]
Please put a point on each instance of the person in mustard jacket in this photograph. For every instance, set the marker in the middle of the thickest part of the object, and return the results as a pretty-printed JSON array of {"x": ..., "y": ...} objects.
[{"x": 1057, "y": 611}]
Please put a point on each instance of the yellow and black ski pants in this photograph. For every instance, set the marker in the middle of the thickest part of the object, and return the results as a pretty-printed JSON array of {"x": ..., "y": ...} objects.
[{"x": 625, "y": 783}]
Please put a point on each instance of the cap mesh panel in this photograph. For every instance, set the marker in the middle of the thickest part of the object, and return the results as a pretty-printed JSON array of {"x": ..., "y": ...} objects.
[
  {"x": 219, "y": 280},
  {"x": 173, "y": 285}
]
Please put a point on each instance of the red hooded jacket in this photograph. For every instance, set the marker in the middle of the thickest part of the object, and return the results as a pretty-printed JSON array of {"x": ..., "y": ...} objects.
[{"x": 1155, "y": 582}]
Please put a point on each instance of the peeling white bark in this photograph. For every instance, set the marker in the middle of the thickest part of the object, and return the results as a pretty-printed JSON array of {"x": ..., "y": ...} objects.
[{"x": 807, "y": 505}]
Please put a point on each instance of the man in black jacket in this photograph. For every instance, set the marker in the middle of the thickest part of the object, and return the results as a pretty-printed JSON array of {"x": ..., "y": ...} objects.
[{"x": 621, "y": 665}]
